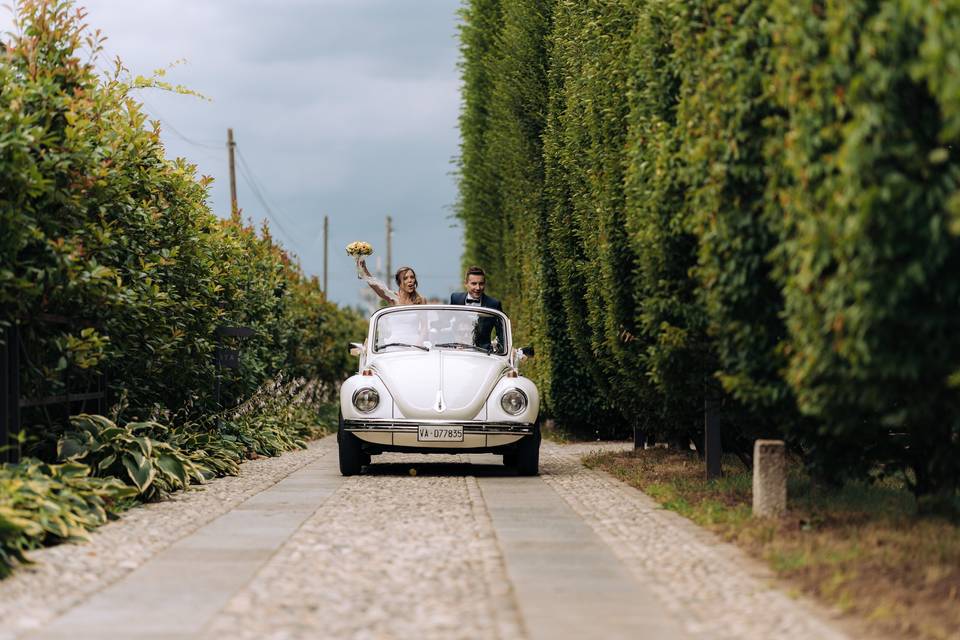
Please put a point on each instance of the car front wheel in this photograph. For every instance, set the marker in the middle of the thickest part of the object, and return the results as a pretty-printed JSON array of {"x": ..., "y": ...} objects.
[
  {"x": 351, "y": 456},
  {"x": 528, "y": 454}
]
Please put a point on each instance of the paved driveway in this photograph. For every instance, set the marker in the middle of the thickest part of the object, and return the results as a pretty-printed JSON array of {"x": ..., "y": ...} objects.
[{"x": 463, "y": 548}]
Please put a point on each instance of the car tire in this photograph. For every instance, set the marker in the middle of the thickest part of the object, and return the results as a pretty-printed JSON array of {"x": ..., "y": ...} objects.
[
  {"x": 351, "y": 456},
  {"x": 528, "y": 454},
  {"x": 509, "y": 459}
]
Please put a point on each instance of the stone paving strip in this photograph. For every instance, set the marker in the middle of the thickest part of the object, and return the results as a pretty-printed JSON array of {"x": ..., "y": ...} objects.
[
  {"x": 68, "y": 574},
  {"x": 713, "y": 587},
  {"x": 568, "y": 582}
]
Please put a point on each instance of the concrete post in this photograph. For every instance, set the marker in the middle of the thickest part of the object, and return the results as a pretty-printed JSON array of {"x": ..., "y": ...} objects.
[{"x": 769, "y": 479}]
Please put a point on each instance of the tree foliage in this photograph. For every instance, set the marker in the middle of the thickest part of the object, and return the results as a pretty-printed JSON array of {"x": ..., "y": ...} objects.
[
  {"x": 746, "y": 202},
  {"x": 96, "y": 223},
  {"x": 868, "y": 264}
]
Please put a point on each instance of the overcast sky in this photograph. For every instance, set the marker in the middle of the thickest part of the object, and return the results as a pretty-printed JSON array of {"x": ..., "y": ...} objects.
[{"x": 339, "y": 107}]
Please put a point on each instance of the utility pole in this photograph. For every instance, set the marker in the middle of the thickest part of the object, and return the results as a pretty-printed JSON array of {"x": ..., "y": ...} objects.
[
  {"x": 234, "y": 210},
  {"x": 389, "y": 248},
  {"x": 326, "y": 236}
]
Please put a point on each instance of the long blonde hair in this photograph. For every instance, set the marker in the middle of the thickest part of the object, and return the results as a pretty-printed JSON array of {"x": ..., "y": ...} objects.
[{"x": 416, "y": 298}]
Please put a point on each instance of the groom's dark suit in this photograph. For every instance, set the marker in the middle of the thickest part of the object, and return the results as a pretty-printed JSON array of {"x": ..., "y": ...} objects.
[{"x": 486, "y": 324}]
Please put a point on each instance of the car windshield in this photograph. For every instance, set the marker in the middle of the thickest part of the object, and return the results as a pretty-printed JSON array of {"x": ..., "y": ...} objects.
[{"x": 425, "y": 329}]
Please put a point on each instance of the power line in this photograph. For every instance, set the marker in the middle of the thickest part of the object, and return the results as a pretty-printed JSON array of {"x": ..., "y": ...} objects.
[
  {"x": 169, "y": 126},
  {"x": 258, "y": 193}
]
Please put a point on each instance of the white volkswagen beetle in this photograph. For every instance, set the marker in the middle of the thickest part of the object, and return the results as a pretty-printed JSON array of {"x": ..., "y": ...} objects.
[{"x": 439, "y": 379}]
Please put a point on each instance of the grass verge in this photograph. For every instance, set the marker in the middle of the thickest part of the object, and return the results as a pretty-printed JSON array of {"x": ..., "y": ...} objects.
[
  {"x": 861, "y": 548},
  {"x": 550, "y": 430}
]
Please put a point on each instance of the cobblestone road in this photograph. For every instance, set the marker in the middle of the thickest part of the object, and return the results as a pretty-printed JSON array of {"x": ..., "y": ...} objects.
[{"x": 462, "y": 549}]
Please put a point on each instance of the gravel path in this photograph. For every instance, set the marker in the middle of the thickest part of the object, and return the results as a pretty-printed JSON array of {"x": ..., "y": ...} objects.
[
  {"x": 391, "y": 554},
  {"x": 66, "y": 575}
]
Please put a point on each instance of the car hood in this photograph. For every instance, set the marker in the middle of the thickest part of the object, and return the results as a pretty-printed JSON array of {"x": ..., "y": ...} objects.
[{"x": 439, "y": 384}]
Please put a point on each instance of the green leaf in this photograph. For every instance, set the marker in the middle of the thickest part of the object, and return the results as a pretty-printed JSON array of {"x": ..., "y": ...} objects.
[
  {"x": 172, "y": 465},
  {"x": 142, "y": 474},
  {"x": 107, "y": 461},
  {"x": 112, "y": 433},
  {"x": 68, "y": 449},
  {"x": 146, "y": 445},
  {"x": 74, "y": 470}
]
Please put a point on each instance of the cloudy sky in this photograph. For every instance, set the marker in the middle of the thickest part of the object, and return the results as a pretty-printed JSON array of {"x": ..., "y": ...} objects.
[{"x": 340, "y": 107}]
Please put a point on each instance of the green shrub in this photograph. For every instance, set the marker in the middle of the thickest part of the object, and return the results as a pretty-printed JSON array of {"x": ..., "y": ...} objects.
[
  {"x": 751, "y": 202},
  {"x": 479, "y": 205},
  {"x": 726, "y": 119},
  {"x": 98, "y": 224},
  {"x": 869, "y": 186},
  {"x": 212, "y": 451},
  {"x": 153, "y": 466},
  {"x": 589, "y": 242},
  {"x": 44, "y": 504},
  {"x": 679, "y": 359}
]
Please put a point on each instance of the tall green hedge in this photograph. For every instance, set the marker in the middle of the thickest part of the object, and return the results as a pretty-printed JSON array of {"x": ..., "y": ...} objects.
[
  {"x": 730, "y": 120},
  {"x": 96, "y": 223},
  {"x": 752, "y": 203},
  {"x": 869, "y": 266}
]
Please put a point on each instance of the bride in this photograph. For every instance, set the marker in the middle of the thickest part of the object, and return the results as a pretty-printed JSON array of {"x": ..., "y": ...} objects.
[{"x": 406, "y": 280}]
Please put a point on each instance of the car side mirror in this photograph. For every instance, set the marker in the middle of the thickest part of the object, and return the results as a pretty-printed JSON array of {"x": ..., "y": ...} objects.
[
  {"x": 356, "y": 348},
  {"x": 526, "y": 352}
]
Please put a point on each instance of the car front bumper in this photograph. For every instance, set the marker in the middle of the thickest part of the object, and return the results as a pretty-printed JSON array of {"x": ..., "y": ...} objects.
[{"x": 403, "y": 434}]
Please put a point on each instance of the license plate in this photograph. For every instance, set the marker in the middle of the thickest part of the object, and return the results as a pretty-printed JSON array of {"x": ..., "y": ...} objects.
[{"x": 427, "y": 433}]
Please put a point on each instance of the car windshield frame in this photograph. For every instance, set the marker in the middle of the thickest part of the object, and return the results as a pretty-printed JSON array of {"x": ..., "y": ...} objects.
[{"x": 436, "y": 328}]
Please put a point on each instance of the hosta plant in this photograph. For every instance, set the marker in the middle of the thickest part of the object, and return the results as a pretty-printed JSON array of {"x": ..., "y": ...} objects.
[
  {"x": 154, "y": 467},
  {"x": 214, "y": 453},
  {"x": 46, "y": 503}
]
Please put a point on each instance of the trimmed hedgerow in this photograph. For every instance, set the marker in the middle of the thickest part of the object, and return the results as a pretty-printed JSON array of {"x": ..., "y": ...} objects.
[
  {"x": 755, "y": 203},
  {"x": 99, "y": 225},
  {"x": 868, "y": 263}
]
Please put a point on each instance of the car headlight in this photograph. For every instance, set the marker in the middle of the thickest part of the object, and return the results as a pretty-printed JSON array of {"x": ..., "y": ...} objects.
[
  {"x": 513, "y": 401},
  {"x": 366, "y": 399}
]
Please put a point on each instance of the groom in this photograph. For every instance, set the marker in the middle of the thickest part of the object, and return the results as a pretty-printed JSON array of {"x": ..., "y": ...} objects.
[{"x": 475, "y": 281}]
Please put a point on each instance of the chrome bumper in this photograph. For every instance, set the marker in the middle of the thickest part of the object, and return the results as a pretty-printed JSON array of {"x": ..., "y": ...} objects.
[{"x": 469, "y": 428}]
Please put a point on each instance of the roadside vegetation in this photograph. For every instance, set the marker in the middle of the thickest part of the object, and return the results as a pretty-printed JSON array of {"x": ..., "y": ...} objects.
[
  {"x": 861, "y": 548},
  {"x": 745, "y": 204},
  {"x": 99, "y": 227}
]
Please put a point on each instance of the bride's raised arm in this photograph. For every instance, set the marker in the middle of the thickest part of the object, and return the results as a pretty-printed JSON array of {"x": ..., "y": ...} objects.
[{"x": 378, "y": 287}]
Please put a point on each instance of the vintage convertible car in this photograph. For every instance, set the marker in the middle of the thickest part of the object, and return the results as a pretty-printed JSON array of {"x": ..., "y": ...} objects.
[{"x": 439, "y": 379}]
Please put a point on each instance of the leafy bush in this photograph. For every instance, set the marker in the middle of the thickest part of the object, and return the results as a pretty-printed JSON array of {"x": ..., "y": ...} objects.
[
  {"x": 729, "y": 119},
  {"x": 154, "y": 467},
  {"x": 868, "y": 264},
  {"x": 278, "y": 417},
  {"x": 44, "y": 504},
  {"x": 98, "y": 224},
  {"x": 753, "y": 203}
]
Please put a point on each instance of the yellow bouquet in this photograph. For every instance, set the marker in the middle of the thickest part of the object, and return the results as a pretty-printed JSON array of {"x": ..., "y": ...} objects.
[{"x": 358, "y": 249}]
